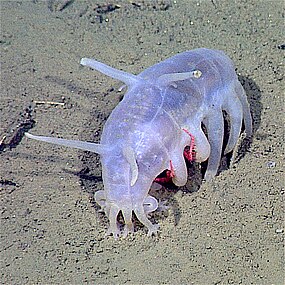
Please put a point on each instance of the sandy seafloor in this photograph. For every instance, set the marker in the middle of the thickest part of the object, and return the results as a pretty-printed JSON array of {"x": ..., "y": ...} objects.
[{"x": 226, "y": 231}]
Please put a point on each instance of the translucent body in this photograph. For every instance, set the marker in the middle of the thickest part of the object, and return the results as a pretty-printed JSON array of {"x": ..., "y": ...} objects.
[{"x": 145, "y": 131}]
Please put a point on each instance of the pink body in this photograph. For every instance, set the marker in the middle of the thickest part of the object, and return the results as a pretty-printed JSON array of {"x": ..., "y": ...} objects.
[{"x": 145, "y": 131}]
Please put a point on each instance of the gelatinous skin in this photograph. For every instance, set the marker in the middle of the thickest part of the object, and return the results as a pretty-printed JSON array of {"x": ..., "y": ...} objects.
[{"x": 161, "y": 114}]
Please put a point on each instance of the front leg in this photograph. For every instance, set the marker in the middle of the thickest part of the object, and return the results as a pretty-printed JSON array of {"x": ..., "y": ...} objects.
[
  {"x": 142, "y": 217},
  {"x": 114, "y": 228}
]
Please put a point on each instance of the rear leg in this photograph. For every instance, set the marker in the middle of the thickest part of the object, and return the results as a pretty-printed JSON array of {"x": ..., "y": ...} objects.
[
  {"x": 215, "y": 128},
  {"x": 245, "y": 108},
  {"x": 179, "y": 169},
  {"x": 190, "y": 154},
  {"x": 114, "y": 227},
  {"x": 202, "y": 146},
  {"x": 233, "y": 108}
]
